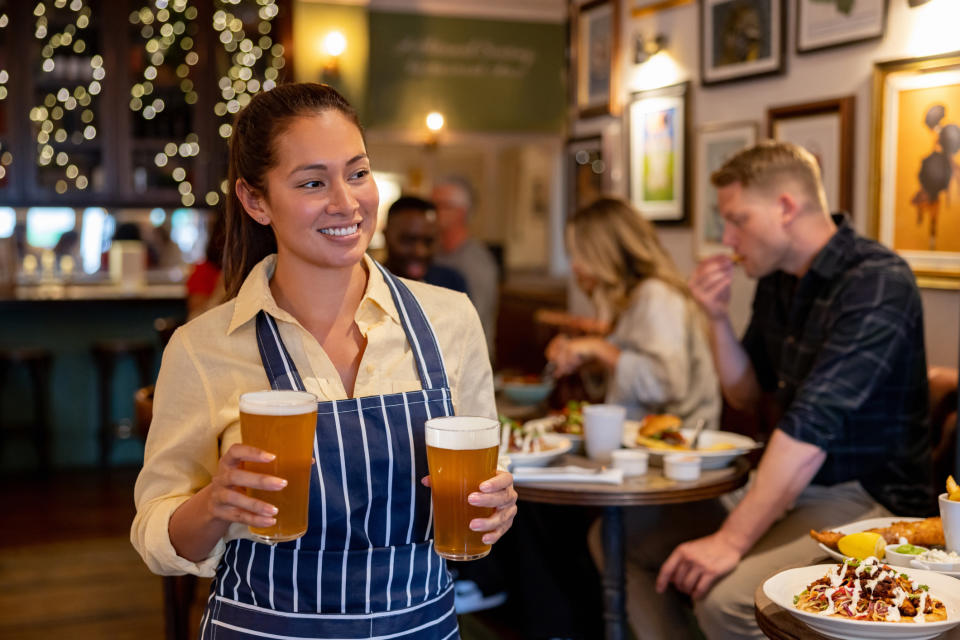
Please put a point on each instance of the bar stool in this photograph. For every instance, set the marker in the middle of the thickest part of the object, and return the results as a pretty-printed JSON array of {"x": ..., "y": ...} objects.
[
  {"x": 38, "y": 364},
  {"x": 106, "y": 355}
]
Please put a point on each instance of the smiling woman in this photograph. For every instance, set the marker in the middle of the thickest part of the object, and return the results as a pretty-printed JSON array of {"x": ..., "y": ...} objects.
[{"x": 309, "y": 311}]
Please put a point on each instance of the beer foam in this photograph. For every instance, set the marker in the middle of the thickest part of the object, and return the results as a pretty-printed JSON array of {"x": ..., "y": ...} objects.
[
  {"x": 278, "y": 403},
  {"x": 462, "y": 432}
]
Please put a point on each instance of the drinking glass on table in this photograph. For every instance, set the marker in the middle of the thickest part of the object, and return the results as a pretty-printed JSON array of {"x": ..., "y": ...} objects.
[
  {"x": 461, "y": 453},
  {"x": 602, "y": 430},
  {"x": 282, "y": 423}
]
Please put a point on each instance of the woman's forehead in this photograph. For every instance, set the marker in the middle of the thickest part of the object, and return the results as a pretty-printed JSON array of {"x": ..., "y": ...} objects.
[{"x": 317, "y": 138}]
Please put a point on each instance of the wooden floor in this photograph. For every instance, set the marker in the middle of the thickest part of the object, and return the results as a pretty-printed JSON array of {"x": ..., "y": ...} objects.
[{"x": 67, "y": 569}]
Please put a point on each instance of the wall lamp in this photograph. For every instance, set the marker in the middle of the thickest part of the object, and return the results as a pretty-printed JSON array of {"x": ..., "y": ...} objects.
[
  {"x": 435, "y": 122},
  {"x": 645, "y": 48},
  {"x": 334, "y": 44}
]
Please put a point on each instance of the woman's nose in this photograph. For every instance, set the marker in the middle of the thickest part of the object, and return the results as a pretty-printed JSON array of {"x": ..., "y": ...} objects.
[{"x": 341, "y": 199}]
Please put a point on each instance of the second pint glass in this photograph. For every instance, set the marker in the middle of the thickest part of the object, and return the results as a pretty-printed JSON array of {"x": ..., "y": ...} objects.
[
  {"x": 282, "y": 423},
  {"x": 462, "y": 453}
]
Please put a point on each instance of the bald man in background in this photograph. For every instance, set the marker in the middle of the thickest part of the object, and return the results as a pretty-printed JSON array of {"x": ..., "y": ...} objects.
[{"x": 460, "y": 251}]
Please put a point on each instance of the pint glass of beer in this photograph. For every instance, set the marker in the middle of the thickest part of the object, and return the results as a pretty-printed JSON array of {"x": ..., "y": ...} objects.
[
  {"x": 282, "y": 423},
  {"x": 462, "y": 453}
]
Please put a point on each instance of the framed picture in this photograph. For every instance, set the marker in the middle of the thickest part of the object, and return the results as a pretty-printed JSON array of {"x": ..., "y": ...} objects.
[
  {"x": 741, "y": 39},
  {"x": 822, "y": 24},
  {"x": 657, "y": 158},
  {"x": 915, "y": 179},
  {"x": 825, "y": 129},
  {"x": 715, "y": 144},
  {"x": 595, "y": 50},
  {"x": 586, "y": 172}
]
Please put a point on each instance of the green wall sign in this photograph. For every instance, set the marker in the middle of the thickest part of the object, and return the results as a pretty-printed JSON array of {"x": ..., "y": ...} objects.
[{"x": 482, "y": 75}]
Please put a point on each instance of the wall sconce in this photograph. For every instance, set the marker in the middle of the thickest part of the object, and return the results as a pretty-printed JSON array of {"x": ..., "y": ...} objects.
[
  {"x": 646, "y": 48},
  {"x": 435, "y": 122},
  {"x": 334, "y": 44}
]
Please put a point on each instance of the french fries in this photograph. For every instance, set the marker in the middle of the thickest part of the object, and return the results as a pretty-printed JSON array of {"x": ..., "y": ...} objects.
[{"x": 953, "y": 489}]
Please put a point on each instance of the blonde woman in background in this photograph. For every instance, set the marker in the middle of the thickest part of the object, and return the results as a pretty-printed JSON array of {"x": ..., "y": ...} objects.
[
  {"x": 657, "y": 354},
  {"x": 659, "y": 362}
]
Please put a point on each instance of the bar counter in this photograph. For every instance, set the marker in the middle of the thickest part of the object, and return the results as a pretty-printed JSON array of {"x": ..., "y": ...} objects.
[{"x": 67, "y": 319}]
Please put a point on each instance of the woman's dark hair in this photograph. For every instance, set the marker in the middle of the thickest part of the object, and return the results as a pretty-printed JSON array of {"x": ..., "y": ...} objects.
[{"x": 252, "y": 154}]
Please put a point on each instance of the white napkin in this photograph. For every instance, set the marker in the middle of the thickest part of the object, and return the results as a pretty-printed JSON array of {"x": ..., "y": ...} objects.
[{"x": 566, "y": 474}]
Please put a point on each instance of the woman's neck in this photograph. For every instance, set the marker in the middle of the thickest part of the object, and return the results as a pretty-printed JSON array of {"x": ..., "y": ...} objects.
[{"x": 317, "y": 297}]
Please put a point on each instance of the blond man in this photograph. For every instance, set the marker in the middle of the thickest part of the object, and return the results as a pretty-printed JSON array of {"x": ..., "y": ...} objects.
[{"x": 836, "y": 337}]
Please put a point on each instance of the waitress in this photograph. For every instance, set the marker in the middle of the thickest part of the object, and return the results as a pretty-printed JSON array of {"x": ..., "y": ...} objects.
[{"x": 308, "y": 310}]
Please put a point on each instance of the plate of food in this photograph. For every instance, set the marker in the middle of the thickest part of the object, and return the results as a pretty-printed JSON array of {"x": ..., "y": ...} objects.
[
  {"x": 530, "y": 445},
  {"x": 568, "y": 422},
  {"x": 921, "y": 532},
  {"x": 664, "y": 433},
  {"x": 868, "y": 600}
]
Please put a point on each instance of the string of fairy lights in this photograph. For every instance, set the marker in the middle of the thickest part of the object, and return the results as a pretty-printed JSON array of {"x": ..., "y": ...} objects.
[
  {"x": 255, "y": 60},
  {"x": 72, "y": 81},
  {"x": 5, "y": 156},
  {"x": 165, "y": 29},
  {"x": 80, "y": 82}
]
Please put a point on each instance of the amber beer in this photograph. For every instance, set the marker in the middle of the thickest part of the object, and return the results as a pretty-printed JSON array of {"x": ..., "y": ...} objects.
[
  {"x": 282, "y": 423},
  {"x": 462, "y": 453}
]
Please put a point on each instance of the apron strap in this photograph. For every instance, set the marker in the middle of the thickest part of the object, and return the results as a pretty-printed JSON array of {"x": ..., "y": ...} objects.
[
  {"x": 277, "y": 362},
  {"x": 420, "y": 334},
  {"x": 283, "y": 373}
]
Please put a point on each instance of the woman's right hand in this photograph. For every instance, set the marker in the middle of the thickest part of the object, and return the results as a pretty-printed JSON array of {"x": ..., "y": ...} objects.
[
  {"x": 710, "y": 285},
  {"x": 227, "y": 500}
]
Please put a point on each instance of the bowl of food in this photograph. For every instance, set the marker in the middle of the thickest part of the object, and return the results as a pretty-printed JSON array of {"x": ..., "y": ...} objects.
[
  {"x": 527, "y": 389},
  {"x": 901, "y": 555},
  {"x": 663, "y": 434},
  {"x": 530, "y": 444}
]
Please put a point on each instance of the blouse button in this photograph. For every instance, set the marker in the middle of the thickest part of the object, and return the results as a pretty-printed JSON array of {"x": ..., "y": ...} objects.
[
  {"x": 790, "y": 340},
  {"x": 781, "y": 384},
  {"x": 370, "y": 368}
]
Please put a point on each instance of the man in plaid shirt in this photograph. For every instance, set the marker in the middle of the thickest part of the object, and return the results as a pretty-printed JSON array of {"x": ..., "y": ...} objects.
[{"x": 837, "y": 336}]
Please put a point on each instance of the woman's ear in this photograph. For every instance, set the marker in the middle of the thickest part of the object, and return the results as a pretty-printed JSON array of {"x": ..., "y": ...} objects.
[{"x": 252, "y": 201}]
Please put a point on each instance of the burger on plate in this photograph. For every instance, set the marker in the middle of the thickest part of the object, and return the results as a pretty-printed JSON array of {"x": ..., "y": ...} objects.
[{"x": 661, "y": 431}]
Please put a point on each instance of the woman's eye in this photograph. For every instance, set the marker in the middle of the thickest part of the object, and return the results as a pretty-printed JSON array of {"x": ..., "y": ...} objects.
[
  {"x": 312, "y": 184},
  {"x": 362, "y": 173}
]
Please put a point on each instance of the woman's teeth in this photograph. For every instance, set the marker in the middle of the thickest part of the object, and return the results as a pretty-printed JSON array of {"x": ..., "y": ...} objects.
[{"x": 340, "y": 231}]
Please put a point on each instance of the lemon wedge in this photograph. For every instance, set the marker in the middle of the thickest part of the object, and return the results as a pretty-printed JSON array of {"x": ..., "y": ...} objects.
[{"x": 862, "y": 545}]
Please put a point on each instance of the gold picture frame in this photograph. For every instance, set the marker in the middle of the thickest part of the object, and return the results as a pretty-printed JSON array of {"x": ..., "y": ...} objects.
[{"x": 915, "y": 179}]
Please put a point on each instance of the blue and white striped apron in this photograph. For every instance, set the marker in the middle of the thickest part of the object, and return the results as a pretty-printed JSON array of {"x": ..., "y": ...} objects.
[{"x": 366, "y": 567}]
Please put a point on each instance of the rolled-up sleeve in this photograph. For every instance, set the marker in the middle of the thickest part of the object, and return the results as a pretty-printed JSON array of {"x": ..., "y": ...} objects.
[
  {"x": 180, "y": 458},
  {"x": 872, "y": 323}
]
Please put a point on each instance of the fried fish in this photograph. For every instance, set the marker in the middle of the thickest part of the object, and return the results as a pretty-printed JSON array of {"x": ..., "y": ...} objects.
[{"x": 923, "y": 533}]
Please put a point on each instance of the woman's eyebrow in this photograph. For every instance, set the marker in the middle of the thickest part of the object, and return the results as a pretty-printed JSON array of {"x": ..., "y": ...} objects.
[{"x": 322, "y": 167}]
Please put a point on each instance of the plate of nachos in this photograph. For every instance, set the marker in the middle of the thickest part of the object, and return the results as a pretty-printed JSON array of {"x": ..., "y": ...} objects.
[{"x": 868, "y": 600}]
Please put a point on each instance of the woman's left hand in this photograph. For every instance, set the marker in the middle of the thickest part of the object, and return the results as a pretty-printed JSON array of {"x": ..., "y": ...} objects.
[
  {"x": 497, "y": 492},
  {"x": 569, "y": 354}
]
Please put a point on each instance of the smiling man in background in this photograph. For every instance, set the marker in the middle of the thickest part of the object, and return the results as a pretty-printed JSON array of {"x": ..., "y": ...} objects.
[{"x": 411, "y": 239}]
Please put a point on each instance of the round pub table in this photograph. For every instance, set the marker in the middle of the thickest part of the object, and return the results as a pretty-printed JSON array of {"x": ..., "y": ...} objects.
[
  {"x": 640, "y": 491},
  {"x": 779, "y": 624}
]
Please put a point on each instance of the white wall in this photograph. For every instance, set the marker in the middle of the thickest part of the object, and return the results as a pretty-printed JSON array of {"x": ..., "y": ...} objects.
[{"x": 926, "y": 30}]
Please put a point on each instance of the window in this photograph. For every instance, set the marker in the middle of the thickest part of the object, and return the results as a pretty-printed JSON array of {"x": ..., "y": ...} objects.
[
  {"x": 95, "y": 234},
  {"x": 8, "y": 220},
  {"x": 45, "y": 225}
]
